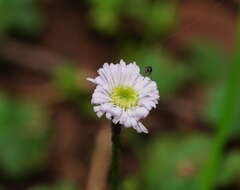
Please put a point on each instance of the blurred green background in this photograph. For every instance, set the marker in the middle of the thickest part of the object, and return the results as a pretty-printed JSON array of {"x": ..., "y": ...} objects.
[{"x": 50, "y": 138}]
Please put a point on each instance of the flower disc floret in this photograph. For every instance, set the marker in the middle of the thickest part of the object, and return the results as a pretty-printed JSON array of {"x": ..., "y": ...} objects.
[{"x": 125, "y": 97}]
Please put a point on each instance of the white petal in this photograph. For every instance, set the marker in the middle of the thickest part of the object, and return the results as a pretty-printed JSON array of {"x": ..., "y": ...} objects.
[
  {"x": 122, "y": 63},
  {"x": 142, "y": 128},
  {"x": 116, "y": 111},
  {"x": 99, "y": 101},
  {"x": 148, "y": 104},
  {"x": 109, "y": 116},
  {"x": 99, "y": 113},
  {"x": 91, "y": 80},
  {"x": 127, "y": 123},
  {"x": 107, "y": 107},
  {"x": 123, "y": 118},
  {"x": 97, "y": 108},
  {"x": 139, "y": 112}
]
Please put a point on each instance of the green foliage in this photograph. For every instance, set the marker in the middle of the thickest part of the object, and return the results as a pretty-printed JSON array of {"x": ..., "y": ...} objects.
[
  {"x": 210, "y": 67},
  {"x": 23, "y": 139},
  {"x": 208, "y": 62},
  {"x": 67, "y": 82},
  {"x": 104, "y": 14},
  {"x": 59, "y": 186},
  {"x": 214, "y": 104},
  {"x": 155, "y": 17},
  {"x": 22, "y": 16},
  {"x": 214, "y": 107},
  {"x": 174, "y": 162},
  {"x": 227, "y": 120},
  {"x": 230, "y": 168},
  {"x": 130, "y": 183}
]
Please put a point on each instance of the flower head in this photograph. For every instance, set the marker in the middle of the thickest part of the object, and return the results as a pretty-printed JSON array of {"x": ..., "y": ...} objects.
[{"x": 124, "y": 95}]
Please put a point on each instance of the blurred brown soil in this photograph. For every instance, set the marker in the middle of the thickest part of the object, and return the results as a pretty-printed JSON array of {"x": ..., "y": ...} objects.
[
  {"x": 209, "y": 20},
  {"x": 213, "y": 21},
  {"x": 68, "y": 34}
]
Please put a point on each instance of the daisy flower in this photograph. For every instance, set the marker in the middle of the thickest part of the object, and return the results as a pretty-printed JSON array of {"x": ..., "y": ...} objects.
[{"x": 124, "y": 95}]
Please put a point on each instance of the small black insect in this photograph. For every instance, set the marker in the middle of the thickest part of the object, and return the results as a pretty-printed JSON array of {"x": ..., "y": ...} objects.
[{"x": 148, "y": 70}]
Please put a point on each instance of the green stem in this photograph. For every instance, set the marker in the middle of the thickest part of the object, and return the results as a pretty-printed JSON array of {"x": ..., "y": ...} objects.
[{"x": 116, "y": 131}]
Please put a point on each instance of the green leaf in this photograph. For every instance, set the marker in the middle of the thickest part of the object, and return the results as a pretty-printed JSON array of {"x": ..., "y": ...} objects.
[
  {"x": 160, "y": 17},
  {"x": 230, "y": 170},
  {"x": 130, "y": 183},
  {"x": 24, "y": 140},
  {"x": 173, "y": 162},
  {"x": 67, "y": 82},
  {"x": 154, "y": 17},
  {"x": 64, "y": 185},
  {"x": 104, "y": 15},
  {"x": 22, "y": 16},
  {"x": 208, "y": 62},
  {"x": 227, "y": 121},
  {"x": 214, "y": 105}
]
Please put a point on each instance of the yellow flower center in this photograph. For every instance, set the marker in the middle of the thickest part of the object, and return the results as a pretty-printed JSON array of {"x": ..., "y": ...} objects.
[{"x": 124, "y": 97}]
